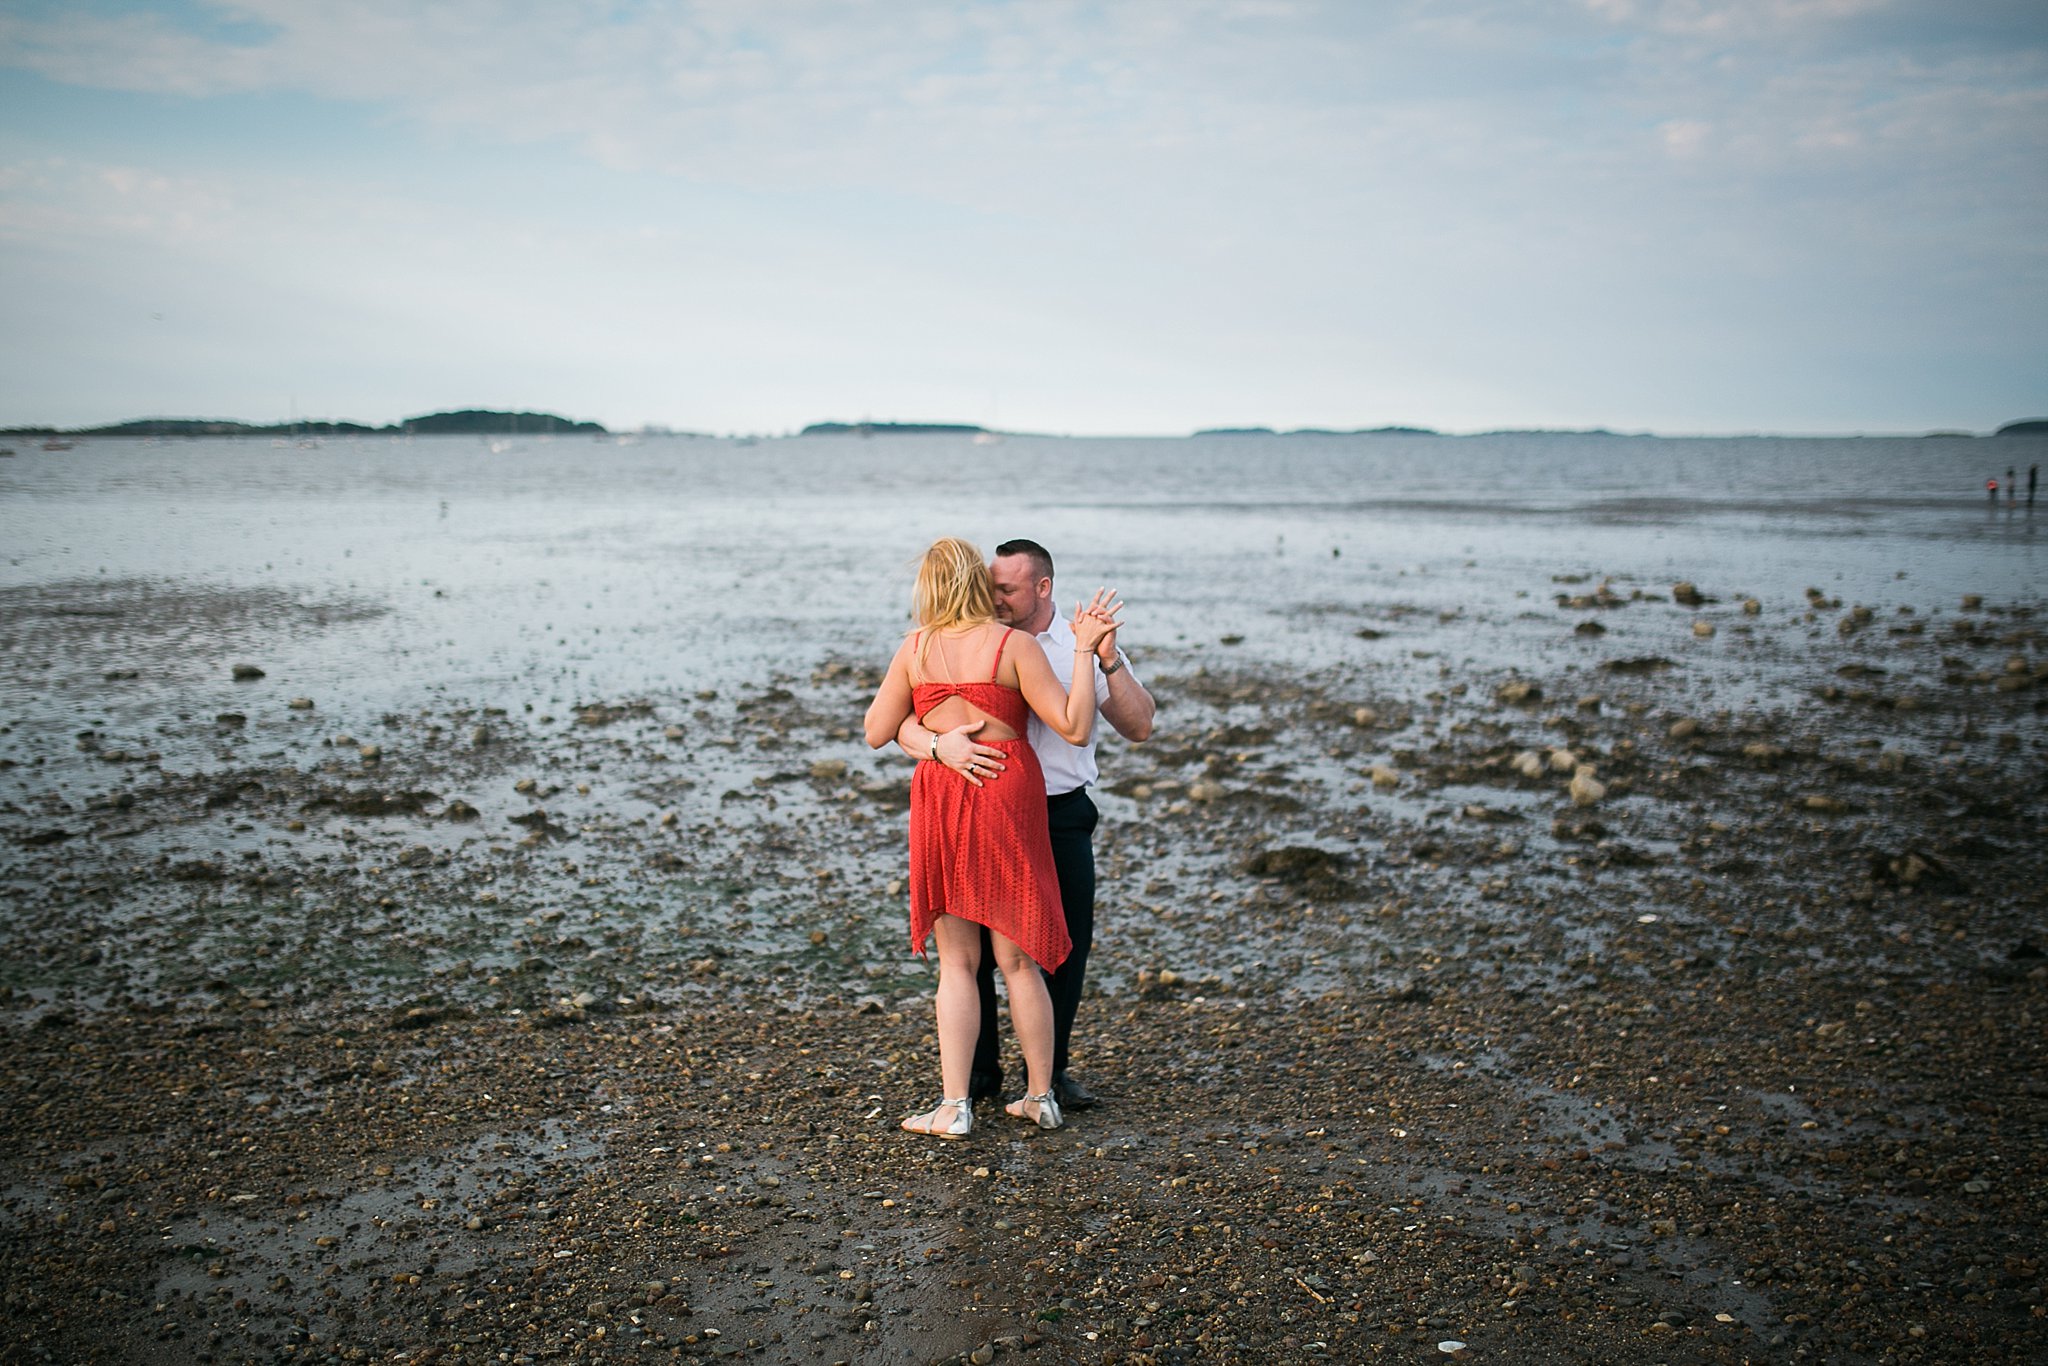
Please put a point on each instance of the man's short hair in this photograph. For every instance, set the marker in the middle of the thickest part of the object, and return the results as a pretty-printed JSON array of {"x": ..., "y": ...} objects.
[{"x": 1041, "y": 558}]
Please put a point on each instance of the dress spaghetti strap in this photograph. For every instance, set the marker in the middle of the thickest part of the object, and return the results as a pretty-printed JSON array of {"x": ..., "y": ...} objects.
[{"x": 997, "y": 667}]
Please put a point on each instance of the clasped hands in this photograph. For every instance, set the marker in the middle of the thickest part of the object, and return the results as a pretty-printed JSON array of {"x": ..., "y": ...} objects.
[{"x": 1095, "y": 627}]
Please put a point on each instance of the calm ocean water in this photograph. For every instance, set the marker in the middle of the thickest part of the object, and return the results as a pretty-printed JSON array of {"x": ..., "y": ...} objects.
[{"x": 557, "y": 571}]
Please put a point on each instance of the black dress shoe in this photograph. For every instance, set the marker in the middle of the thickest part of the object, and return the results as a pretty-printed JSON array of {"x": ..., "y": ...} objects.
[
  {"x": 1071, "y": 1094},
  {"x": 984, "y": 1085}
]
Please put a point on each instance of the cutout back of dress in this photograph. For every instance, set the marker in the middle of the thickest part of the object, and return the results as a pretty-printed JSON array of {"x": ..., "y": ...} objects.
[{"x": 942, "y": 704}]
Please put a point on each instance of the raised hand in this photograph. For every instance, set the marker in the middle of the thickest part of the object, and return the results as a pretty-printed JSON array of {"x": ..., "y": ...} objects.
[{"x": 1095, "y": 620}]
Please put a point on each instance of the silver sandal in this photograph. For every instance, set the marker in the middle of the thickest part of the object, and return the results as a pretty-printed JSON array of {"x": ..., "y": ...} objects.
[
  {"x": 963, "y": 1118},
  {"x": 1048, "y": 1110}
]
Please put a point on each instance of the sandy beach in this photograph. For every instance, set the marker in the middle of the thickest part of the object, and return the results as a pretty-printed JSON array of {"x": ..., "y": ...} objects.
[{"x": 1442, "y": 1009}]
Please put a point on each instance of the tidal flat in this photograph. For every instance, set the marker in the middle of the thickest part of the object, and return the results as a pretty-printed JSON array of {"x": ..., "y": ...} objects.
[{"x": 1675, "y": 994}]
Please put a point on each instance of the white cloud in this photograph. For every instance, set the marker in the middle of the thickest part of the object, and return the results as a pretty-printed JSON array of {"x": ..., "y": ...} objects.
[{"x": 1202, "y": 201}]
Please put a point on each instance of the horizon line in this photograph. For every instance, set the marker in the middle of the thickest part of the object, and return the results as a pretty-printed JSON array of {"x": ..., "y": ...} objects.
[{"x": 1235, "y": 429}]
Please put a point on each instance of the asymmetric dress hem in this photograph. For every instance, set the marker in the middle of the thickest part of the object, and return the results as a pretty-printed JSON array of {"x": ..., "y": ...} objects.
[{"x": 982, "y": 853}]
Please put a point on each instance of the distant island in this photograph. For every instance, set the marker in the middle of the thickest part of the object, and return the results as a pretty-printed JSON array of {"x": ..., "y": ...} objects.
[
  {"x": 2033, "y": 426},
  {"x": 465, "y": 422},
  {"x": 1317, "y": 431},
  {"x": 889, "y": 428}
]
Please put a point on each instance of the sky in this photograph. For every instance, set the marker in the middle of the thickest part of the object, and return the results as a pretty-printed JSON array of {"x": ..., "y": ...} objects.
[{"x": 1148, "y": 217}]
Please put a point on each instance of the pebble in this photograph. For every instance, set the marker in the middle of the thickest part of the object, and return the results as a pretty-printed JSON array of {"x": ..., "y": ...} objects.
[{"x": 244, "y": 673}]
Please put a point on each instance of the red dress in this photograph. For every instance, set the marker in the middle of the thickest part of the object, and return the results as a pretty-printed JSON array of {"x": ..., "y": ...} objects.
[{"x": 982, "y": 853}]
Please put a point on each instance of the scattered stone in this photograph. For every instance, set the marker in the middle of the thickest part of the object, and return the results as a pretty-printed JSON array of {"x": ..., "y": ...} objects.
[
  {"x": 1589, "y": 628},
  {"x": 1529, "y": 764},
  {"x": 1563, "y": 761},
  {"x": 300, "y": 704},
  {"x": 826, "y": 770},
  {"x": 1916, "y": 868},
  {"x": 246, "y": 673},
  {"x": 1295, "y": 863},
  {"x": 1685, "y": 728},
  {"x": 1364, "y": 718},
  {"x": 1383, "y": 777},
  {"x": 1686, "y": 595},
  {"x": 1703, "y": 629},
  {"x": 1751, "y": 607},
  {"x": 1585, "y": 789}
]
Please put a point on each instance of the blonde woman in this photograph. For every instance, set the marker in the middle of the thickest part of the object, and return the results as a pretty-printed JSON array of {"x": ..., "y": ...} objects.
[{"x": 980, "y": 856}]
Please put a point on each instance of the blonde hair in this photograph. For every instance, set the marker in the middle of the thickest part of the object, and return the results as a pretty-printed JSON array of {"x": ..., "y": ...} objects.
[{"x": 953, "y": 588}]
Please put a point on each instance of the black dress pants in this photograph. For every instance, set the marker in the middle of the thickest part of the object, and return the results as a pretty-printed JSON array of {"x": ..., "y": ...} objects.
[{"x": 1071, "y": 818}]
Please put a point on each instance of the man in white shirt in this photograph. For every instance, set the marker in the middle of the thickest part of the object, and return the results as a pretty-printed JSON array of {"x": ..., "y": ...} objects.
[{"x": 1022, "y": 571}]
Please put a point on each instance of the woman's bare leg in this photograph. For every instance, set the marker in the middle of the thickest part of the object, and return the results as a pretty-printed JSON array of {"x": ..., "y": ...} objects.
[
  {"x": 959, "y": 1015},
  {"x": 1030, "y": 1015}
]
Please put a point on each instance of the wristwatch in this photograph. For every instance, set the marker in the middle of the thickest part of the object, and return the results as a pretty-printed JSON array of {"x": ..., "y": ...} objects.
[{"x": 1114, "y": 664}]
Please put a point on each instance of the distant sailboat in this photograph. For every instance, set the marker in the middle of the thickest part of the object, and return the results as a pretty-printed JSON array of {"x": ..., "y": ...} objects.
[
  {"x": 988, "y": 436},
  {"x": 500, "y": 447}
]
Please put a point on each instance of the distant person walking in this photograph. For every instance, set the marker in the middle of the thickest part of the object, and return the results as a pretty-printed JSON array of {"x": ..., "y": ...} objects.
[
  {"x": 1991, "y": 487},
  {"x": 2033, "y": 476},
  {"x": 2012, "y": 486}
]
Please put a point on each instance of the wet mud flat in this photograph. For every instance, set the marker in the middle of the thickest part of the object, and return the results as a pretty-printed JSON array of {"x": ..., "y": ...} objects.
[{"x": 1651, "y": 993}]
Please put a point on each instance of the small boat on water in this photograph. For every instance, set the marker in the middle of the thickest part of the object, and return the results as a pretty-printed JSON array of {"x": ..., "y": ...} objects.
[
  {"x": 58, "y": 443},
  {"x": 6, "y": 451}
]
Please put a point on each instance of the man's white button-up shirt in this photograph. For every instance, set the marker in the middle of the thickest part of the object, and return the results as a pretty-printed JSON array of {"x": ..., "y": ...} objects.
[{"x": 1066, "y": 766}]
